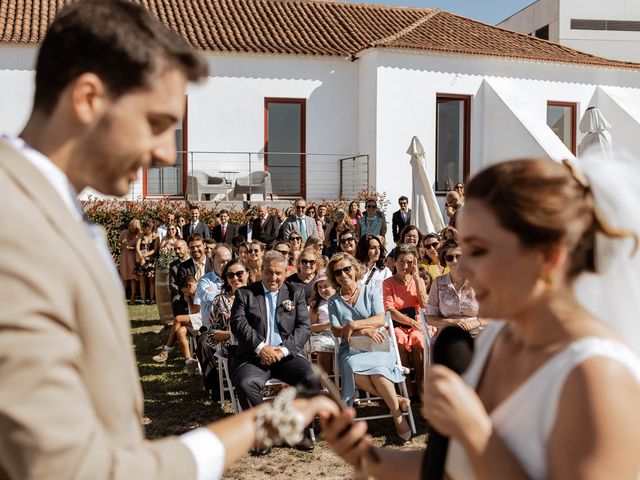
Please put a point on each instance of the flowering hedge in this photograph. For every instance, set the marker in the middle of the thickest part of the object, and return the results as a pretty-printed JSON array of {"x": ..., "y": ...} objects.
[{"x": 114, "y": 215}]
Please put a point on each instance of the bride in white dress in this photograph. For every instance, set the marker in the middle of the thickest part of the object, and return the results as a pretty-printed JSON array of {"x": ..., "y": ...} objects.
[{"x": 553, "y": 390}]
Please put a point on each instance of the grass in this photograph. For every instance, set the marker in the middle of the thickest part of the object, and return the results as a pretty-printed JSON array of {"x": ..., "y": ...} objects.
[{"x": 176, "y": 403}]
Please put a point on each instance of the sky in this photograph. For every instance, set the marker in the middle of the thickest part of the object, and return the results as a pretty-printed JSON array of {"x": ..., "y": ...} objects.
[{"x": 489, "y": 11}]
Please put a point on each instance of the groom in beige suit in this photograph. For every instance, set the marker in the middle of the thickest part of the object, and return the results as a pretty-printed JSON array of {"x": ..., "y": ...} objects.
[{"x": 110, "y": 86}]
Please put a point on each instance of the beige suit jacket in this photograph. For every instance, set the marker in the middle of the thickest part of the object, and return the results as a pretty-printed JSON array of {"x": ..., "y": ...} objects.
[{"x": 70, "y": 396}]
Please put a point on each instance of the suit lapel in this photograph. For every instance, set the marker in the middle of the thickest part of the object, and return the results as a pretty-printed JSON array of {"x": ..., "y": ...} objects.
[
  {"x": 42, "y": 194},
  {"x": 262, "y": 306}
]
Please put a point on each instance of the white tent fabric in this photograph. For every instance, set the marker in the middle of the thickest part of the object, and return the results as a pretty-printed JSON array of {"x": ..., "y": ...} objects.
[
  {"x": 597, "y": 139},
  {"x": 425, "y": 213}
]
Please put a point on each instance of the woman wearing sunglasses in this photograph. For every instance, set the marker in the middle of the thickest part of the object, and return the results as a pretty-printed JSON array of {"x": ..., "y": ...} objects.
[
  {"x": 308, "y": 264},
  {"x": 234, "y": 275},
  {"x": 372, "y": 222},
  {"x": 357, "y": 310},
  {"x": 452, "y": 300},
  {"x": 342, "y": 222},
  {"x": 429, "y": 259},
  {"x": 347, "y": 242},
  {"x": 296, "y": 244},
  {"x": 255, "y": 253}
]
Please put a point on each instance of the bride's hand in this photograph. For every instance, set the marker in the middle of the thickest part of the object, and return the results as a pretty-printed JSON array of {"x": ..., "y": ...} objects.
[{"x": 454, "y": 409}]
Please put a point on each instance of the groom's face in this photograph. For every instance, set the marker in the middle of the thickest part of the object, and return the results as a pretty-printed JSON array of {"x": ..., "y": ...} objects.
[{"x": 273, "y": 275}]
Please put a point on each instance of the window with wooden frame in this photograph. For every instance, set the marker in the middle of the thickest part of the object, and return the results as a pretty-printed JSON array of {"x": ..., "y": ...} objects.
[
  {"x": 453, "y": 140},
  {"x": 285, "y": 144},
  {"x": 561, "y": 118},
  {"x": 170, "y": 181}
]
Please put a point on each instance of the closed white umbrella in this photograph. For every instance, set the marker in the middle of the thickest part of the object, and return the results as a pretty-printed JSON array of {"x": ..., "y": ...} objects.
[
  {"x": 597, "y": 138},
  {"x": 425, "y": 213}
]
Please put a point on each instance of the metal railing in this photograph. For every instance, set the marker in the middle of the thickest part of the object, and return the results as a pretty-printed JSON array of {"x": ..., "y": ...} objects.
[{"x": 327, "y": 175}]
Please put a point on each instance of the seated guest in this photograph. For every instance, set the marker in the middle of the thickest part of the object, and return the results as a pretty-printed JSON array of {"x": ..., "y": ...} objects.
[
  {"x": 195, "y": 266},
  {"x": 452, "y": 300},
  {"x": 333, "y": 230},
  {"x": 254, "y": 261},
  {"x": 321, "y": 340},
  {"x": 295, "y": 244},
  {"x": 181, "y": 249},
  {"x": 357, "y": 310},
  {"x": 371, "y": 253},
  {"x": 314, "y": 241},
  {"x": 181, "y": 327},
  {"x": 404, "y": 294},
  {"x": 285, "y": 249},
  {"x": 308, "y": 264},
  {"x": 210, "y": 285},
  {"x": 347, "y": 242},
  {"x": 429, "y": 259},
  {"x": 270, "y": 322},
  {"x": 448, "y": 233}
]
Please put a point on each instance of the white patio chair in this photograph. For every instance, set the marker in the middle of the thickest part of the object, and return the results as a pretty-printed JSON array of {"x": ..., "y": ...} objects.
[
  {"x": 256, "y": 182},
  {"x": 201, "y": 185}
]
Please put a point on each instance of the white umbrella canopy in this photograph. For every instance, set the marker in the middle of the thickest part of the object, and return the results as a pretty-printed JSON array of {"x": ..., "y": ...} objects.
[
  {"x": 597, "y": 138},
  {"x": 425, "y": 213}
]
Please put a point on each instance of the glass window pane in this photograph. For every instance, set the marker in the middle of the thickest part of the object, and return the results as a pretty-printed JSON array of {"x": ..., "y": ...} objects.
[
  {"x": 560, "y": 120},
  {"x": 167, "y": 180},
  {"x": 450, "y": 143},
  {"x": 284, "y": 136}
]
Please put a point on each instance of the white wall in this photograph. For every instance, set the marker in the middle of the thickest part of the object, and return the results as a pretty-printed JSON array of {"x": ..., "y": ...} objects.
[
  {"x": 534, "y": 17},
  {"x": 17, "y": 81}
]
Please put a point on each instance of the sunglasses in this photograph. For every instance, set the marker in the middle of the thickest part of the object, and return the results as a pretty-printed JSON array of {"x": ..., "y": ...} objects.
[
  {"x": 295, "y": 239},
  {"x": 254, "y": 250},
  {"x": 431, "y": 245},
  {"x": 347, "y": 240},
  {"x": 239, "y": 274},
  {"x": 371, "y": 206},
  {"x": 339, "y": 271},
  {"x": 340, "y": 214},
  {"x": 301, "y": 207},
  {"x": 283, "y": 252},
  {"x": 305, "y": 261},
  {"x": 403, "y": 203},
  {"x": 451, "y": 258}
]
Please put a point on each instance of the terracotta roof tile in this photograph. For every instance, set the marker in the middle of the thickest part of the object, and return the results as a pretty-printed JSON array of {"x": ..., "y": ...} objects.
[{"x": 313, "y": 27}]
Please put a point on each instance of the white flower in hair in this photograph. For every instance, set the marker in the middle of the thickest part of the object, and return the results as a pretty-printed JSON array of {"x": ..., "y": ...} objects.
[{"x": 287, "y": 305}]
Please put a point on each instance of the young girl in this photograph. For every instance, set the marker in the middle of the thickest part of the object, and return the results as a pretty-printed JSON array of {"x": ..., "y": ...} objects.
[{"x": 322, "y": 342}]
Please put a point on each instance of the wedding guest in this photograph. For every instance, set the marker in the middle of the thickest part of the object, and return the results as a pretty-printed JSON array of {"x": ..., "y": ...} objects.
[
  {"x": 147, "y": 247},
  {"x": 311, "y": 212},
  {"x": 357, "y": 311},
  {"x": 243, "y": 251},
  {"x": 354, "y": 214},
  {"x": 181, "y": 222},
  {"x": 195, "y": 225},
  {"x": 459, "y": 189},
  {"x": 429, "y": 258},
  {"x": 128, "y": 241},
  {"x": 448, "y": 233},
  {"x": 323, "y": 219},
  {"x": 372, "y": 222},
  {"x": 347, "y": 242},
  {"x": 307, "y": 266},
  {"x": 452, "y": 206},
  {"x": 316, "y": 242},
  {"x": 371, "y": 253},
  {"x": 285, "y": 250},
  {"x": 168, "y": 243},
  {"x": 209, "y": 247},
  {"x": 411, "y": 235},
  {"x": 452, "y": 300},
  {"x": 169, "y": 219},
  {"x": 321, "y": 341},
  {"x": 334, "y": 229},
  {"x": 299, "y": 222},
  {"x": 295, "y": 244},
  {"x": 254, "y": 262},
  {"x": 224, "y": 231},
  {"x": 400, "y": 218},
  {"x": 404, "y": 294},
  {"x": 265, "y": 226}
]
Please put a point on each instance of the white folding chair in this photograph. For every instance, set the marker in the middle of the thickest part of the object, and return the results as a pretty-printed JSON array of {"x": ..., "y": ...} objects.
[
  {"x": 427, "y": 342},
  {"x": 225, "y": 383},
  {"x": 402, "y": 386}
]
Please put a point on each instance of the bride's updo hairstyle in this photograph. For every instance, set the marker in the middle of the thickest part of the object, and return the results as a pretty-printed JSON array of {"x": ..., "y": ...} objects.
[{"x": 543, "y": 202}]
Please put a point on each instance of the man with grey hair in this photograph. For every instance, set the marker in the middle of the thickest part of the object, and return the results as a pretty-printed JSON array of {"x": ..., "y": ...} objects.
[
  {"x": 270, "y": 321},
  {"x": 299, "y": 221}
]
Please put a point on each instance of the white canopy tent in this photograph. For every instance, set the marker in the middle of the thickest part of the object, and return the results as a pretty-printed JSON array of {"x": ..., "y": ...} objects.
[
  {"x": 597, "y": 140},
  {"x": 425, "y": 213}
]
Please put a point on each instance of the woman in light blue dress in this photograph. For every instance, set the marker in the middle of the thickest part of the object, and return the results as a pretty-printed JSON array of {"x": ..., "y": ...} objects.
[{"x": 357, "y": 310}]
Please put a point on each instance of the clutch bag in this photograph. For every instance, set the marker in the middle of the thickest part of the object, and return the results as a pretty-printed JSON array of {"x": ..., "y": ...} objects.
[{"x": 366, "y": 344}]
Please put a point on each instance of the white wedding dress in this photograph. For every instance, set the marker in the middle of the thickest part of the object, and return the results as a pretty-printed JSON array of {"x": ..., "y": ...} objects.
[{"x": 525, "y": 419}]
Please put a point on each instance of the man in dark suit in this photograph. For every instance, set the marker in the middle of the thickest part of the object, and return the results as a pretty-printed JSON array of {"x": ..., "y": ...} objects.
[
  {"x": 400, "y": 218},
  {"x": 224, "y": 232},
  {"x": 196, "y": 266},
  {"x": 270, "y": 321},
  {"x": 265, "y": 227},
  {"x": 182, "y": 250},
  {"x": 195, "y": 225}
]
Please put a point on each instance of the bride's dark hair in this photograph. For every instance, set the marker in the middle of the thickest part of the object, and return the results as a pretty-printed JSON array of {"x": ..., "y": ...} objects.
[{"x": 544, "y": 202}]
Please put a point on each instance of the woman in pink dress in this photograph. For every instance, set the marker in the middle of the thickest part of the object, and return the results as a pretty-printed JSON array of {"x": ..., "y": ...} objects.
[{"x": 127, "y": 242}]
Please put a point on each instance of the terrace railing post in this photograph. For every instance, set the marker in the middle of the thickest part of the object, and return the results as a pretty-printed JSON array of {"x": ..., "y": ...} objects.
[{"x": 250, "y": 182}]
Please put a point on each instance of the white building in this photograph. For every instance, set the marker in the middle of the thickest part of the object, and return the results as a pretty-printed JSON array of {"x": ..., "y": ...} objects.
[
  {"x": 609, "y": 29},
  {"x": 327, "y": 80}
]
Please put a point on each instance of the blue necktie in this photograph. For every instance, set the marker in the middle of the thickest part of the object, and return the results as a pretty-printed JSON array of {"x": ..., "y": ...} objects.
[
  {"x": 303, "y": 229},
  {"x": 274, "y": 338}
]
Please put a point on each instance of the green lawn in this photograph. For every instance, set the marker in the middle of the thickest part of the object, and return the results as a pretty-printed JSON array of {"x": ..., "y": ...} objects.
[{"x": 176, "y": 403}]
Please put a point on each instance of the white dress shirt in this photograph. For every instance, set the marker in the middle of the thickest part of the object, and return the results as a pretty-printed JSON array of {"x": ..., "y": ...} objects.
[
  {"x": 274, "y": 296},
  {"x": 204, "y": 445}
]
